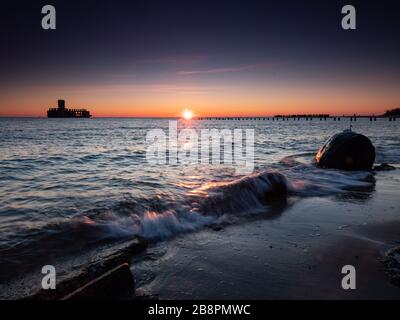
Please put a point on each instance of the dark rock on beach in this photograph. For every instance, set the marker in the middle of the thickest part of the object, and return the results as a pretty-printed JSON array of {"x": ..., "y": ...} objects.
[
  {"x": 391, "y": 261},
  {"x": 116, "y": 284},
  {"x": 106, "y": 277},
  {"x": 347, "y": 150}
]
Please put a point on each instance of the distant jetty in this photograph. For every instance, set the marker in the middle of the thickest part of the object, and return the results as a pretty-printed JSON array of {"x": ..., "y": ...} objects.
[
  {"x": 392, "y": 115},
  {"x": 62, "y": 112}
]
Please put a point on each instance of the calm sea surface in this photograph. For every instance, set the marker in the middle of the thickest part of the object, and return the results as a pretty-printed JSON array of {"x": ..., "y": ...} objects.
[{"x": 67, "y": 184}]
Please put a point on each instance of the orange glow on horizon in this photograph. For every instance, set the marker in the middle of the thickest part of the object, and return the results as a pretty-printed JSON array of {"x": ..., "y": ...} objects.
[
  {"x": 213, "y": 111},
  {"x": 230, "y": 101}
]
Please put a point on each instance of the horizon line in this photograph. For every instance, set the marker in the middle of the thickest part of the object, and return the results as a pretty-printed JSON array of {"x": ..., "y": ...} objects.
[{"x": 315, "y": 115}]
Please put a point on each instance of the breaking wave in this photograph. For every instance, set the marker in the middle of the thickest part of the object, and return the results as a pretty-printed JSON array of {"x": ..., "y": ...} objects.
[{"x": 212, "y": 204}]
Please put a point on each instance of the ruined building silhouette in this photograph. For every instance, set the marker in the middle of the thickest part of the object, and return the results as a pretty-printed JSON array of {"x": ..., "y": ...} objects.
[{"x": 62, "y": 112}]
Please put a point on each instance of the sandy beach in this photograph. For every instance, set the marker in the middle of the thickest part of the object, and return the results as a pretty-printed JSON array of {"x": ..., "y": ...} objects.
[{"x": 296, "y": 254}]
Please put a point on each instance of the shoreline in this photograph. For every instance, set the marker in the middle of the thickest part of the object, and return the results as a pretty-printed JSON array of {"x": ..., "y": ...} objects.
[
  {"x": 308, "y": 271},
  {"x": 291, "y": 252},
  {"x": 295, "y": 255}
]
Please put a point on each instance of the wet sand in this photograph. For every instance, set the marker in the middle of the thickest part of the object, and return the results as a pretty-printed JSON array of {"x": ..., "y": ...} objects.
[{"x": 298, "y": 253}]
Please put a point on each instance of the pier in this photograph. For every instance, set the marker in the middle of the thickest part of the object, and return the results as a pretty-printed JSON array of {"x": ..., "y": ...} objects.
[{"x": 281, "y": 118}]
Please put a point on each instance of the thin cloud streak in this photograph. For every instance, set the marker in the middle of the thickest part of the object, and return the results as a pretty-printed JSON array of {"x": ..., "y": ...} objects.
[
  {"x": 148, "y": 88},
  {"x": 228, "y": 70}
]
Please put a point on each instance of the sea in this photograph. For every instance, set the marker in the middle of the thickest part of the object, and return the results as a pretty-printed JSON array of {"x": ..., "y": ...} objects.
[{"x": 70, "y": 185}]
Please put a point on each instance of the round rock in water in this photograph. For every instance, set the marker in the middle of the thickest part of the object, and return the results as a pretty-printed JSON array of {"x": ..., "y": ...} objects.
[{"x": 347, "y": 150}]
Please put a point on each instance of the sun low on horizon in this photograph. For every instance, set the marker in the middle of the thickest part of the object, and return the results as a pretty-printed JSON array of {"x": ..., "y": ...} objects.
[{"x": 187, "y": 114}]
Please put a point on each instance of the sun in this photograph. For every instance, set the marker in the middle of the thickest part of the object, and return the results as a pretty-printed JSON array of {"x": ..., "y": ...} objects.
[{"x": 187, "y": 114}]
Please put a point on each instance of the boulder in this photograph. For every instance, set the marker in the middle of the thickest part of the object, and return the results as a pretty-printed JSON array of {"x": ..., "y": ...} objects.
[{"x": 347, "y": 150}]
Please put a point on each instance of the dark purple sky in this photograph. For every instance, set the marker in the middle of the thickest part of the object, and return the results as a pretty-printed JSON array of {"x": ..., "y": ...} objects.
[{"x": 127, "y": 53}]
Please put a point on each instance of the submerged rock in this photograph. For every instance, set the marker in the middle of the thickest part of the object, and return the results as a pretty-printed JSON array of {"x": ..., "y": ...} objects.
[
  {"x": 384, "y": 167},
  {"x": 347, "y": 150},
  {"x": 243, "y": 194}
]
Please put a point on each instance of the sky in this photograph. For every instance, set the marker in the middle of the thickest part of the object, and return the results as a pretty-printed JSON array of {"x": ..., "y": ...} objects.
[{"x": 217, "y": 58}]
